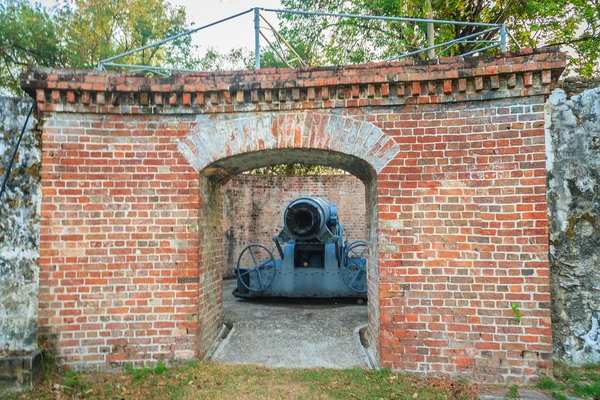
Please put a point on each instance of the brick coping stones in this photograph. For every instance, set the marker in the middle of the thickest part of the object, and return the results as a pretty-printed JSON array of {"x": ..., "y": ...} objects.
[{"x": 449, "y": 79}]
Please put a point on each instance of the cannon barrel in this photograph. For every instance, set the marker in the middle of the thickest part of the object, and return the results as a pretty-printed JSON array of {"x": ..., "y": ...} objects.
[
  {"x": 314, "y": 261},
  {"x": 309, "y": 219}
]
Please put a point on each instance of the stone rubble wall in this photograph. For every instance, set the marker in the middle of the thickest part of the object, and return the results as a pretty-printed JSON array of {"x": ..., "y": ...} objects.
[
  {"x": 576, "y": 85},
  {"x": 19, "y": 228},
  {"x": 573, "y": 140}
]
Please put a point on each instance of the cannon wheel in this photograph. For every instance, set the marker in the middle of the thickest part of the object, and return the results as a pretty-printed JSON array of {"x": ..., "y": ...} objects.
[
  {"x": 355, "y": 265},
  {"x": 258, "y": 267}
]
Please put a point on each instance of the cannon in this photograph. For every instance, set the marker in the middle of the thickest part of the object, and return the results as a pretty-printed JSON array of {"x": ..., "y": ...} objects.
[{"x": 310, "y": 257}]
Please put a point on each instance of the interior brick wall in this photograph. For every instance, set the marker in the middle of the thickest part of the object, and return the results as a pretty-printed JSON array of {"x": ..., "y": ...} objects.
[
  {"x": 452, "y": 156},
  {"x": 253, "y": 207}
]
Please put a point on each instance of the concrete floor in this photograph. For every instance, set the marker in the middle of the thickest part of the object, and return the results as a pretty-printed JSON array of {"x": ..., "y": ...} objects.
[{"x": 292, "y": 333}]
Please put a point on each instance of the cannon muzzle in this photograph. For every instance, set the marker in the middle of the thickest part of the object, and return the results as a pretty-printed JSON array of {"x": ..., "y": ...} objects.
[{"x": 309, "y": 219}]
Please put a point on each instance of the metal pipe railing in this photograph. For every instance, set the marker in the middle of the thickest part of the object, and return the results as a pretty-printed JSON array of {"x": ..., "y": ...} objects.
[
  {"x": 502, "y": 42},
  {"x": 451, "y": 42},
  {"x": 171, "y": 38},
  {"x": 377, "y": 17}
]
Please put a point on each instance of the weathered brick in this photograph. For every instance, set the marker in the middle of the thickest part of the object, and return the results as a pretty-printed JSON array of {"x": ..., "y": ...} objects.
[
  {"x": 385, "y": 90},
  {"x": 416, "y": 89},
  {"x": 200, "y": 99},
  {"x": 144, "y": 99},
  {"x": 447, "y": 86}
]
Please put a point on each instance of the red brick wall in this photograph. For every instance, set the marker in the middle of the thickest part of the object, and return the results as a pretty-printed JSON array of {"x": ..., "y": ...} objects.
[
  {"x": 253, "y": 207},
  {"x": 118, "y": 240},
  {"x": 451, "y": 155}
]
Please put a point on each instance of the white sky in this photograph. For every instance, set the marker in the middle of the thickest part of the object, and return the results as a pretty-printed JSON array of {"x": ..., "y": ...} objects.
[
  {"x": 234, "y": 33},
  {"x": 225, "y": 36}
]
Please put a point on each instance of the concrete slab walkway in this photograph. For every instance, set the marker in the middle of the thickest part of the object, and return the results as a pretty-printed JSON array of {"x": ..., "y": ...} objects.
[{"x": 292, "y": 333}]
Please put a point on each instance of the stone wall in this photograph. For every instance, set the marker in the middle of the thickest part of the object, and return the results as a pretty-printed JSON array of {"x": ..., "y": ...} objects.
[
  {"x": 573, "y": 140},
  {"x": 575, "y": 85},
  {"x": 19, "y": 228},
  {"x": 253, "y": 207}
]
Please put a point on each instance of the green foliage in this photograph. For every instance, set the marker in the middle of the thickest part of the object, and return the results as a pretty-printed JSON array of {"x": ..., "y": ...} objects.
[
  {"x": 140, "y": 373},
  {"x": 575, "y": 25},
  {"x": 572, "y": 376},
  {"x": 78, "y": 34},
  {"x": 513, "y": 392},
  {"x": 29, "y": 35},
  {"x": 559, "y": 396},
  {"x": 238, "y": 58},
  {"x": 207, "y": 380},
  {"x": 74, "y": 383},
  {"x": 582, "y": 382},
  {"x": 160, "y": 368},
  {"x": 516, "y": 312},
  {"x": 591, "y": 390},
  {"x": 545, "y": 382},
  {"x": 99, "y": 29},
  {"x": 296, "y": 170}
]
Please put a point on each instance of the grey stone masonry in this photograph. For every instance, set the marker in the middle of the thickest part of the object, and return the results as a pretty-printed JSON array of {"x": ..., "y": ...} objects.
[
  {"x": 19, "y": 229},
  {"x": 573, "y": 163}
]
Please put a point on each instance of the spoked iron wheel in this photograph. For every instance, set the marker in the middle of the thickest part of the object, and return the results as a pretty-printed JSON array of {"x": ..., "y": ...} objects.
[
  {"x": 354, "y": 267},
  {"x": 261, "y": 265}
]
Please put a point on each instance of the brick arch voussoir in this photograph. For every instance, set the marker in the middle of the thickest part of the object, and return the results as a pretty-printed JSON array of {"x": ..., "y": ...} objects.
[{"x": 214, "y": 139}]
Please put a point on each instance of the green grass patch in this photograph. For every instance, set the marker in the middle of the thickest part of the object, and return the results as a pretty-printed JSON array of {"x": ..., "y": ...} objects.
[
  {"x": 513, "y": 392},
  {"x": 207, "y": 380},
  {"x": 583, "y": 382},
  {"x": 591, "y": 390},
  {"x": 559, "y": 396},
  {"x": 545, "y": 382}
]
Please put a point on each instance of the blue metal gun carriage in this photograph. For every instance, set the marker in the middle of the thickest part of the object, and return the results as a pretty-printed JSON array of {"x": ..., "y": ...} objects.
[{"x": 315, "y": 260}]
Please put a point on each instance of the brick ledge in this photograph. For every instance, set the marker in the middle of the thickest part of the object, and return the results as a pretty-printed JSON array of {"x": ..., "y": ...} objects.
[{"x": 452, "y": 79}]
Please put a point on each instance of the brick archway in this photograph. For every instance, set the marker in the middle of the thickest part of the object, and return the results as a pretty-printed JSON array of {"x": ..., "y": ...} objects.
[
  {"x": 215, "y": 138},
  {"x": 131, "y": 166},
  {"x": 219, "y": 147}
]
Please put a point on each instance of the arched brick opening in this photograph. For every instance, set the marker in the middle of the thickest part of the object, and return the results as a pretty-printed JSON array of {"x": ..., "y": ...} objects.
[
  {"x": 253, "y": 142},
  {"x": 211, "y": 237}
]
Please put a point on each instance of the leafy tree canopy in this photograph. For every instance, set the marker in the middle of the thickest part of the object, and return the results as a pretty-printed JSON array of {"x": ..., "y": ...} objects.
[
  {"x": 80, "y": 33},
  {"x": 297, "y": 169},
  {"x": 573, "y": 24}
]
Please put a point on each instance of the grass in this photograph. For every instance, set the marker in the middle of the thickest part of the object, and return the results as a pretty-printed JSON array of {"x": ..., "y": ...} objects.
[
  {"x": 568, "y": 381},
  {"x": 207, "y": 380},
  {"x": 547, "y": 383},
  {"x": 513, "y": 392}
]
